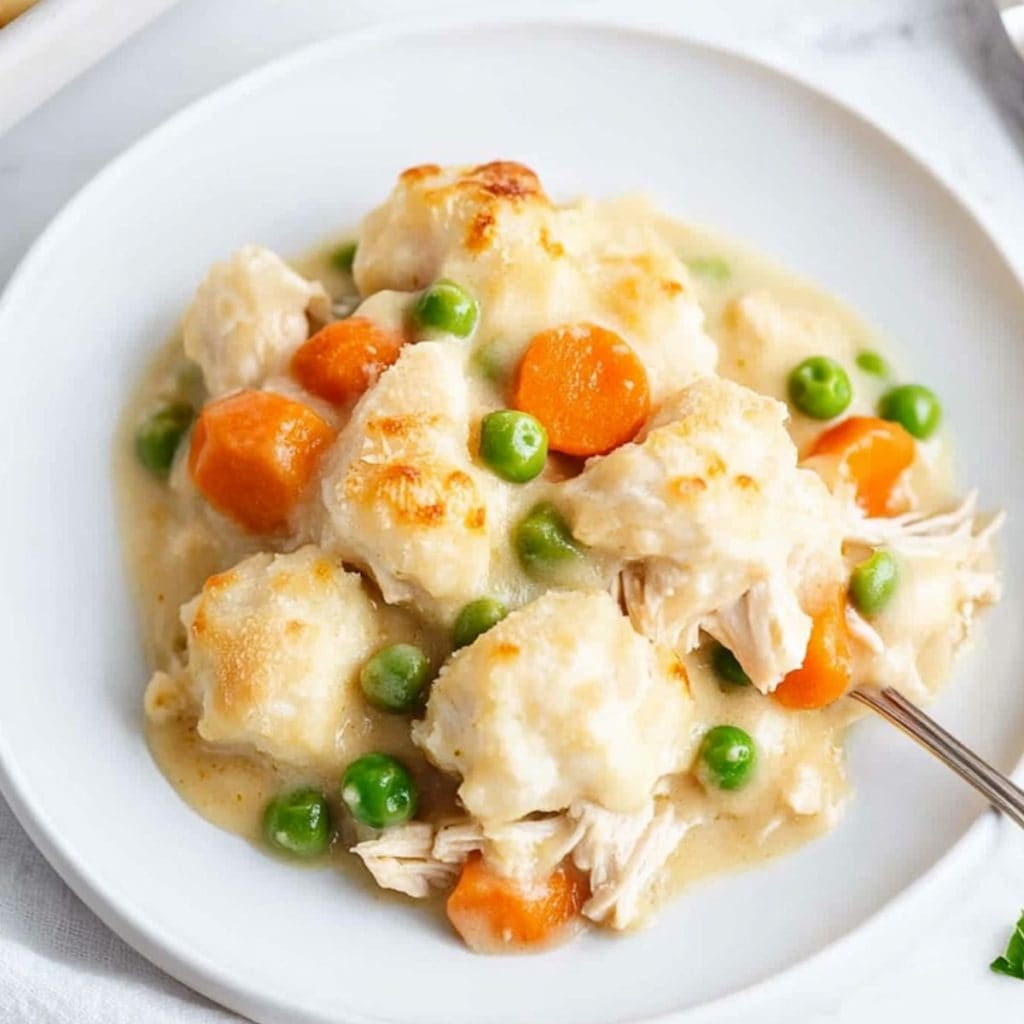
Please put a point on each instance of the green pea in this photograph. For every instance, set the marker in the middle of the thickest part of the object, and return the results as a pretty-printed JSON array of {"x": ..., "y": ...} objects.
[
  {"x": 379, "y": 791},
  {"x": 158, "y": 438},
  {"x": 298, "y": 822},
  {"x": 476, "y": 618},
  {"x": 447, "y": 307},
  {"x": 820, "y": 388},
  {"x": 343, "y": 257},
  {"x": 712, "y": 268},
  {"x": 873, "y": 582},
  {"x": 728, "y": 757},
  {"x": 543, "y": 540},
  {"x": 394, "y": 678},
  {"x": 914, "y": 407},
  {"x": 513, "y": 444},
  {"x": 873, "y": 363},
  {"x": 727, "y": 667}
]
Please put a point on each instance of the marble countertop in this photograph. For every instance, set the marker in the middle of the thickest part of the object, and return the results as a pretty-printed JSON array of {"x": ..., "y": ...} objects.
[{"x": 937, "y": 74}]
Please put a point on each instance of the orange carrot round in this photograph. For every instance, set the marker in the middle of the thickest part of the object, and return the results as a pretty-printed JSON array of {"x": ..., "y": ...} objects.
[
  {"x": 345, "y": 358},
  {"x": 873, "y": 454},
  {"x": 494, "y": 914},
  {"x": 252, "y": 455},
  {"x": 825, "y": 674},
  {"x": 587, "y": 387}
]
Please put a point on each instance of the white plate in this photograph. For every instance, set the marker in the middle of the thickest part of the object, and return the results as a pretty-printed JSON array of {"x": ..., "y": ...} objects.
[
  {"x": 282, "y": 157},
  {"x": 55, "y": 40}
]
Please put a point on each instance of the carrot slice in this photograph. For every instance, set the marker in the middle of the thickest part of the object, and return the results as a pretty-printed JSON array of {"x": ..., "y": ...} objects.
[
  {"x": 493, "y": 914},
  {"x": 345, "y": 358},
  {"x": 873, "y": 454},
  {"x": 587, "y": 387},
  {"x": 825, "y": 674},
  {"x": 252, "y": 455}
]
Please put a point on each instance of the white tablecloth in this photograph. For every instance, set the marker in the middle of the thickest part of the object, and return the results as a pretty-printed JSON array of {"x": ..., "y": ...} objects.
[
  {"x": 60, "y": 965},
  {"x": 934, "y": 72}
]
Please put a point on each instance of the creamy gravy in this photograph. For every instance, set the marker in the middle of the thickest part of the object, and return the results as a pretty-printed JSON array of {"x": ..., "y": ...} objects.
[{"x": 174, "y": 542}]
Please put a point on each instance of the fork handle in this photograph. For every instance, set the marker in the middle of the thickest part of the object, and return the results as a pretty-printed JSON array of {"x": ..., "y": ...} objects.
[{"x": 993, "y": 785}]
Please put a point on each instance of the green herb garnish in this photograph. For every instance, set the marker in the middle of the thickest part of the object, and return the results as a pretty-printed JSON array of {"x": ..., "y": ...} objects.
[{"x": 1011, "y": 963}]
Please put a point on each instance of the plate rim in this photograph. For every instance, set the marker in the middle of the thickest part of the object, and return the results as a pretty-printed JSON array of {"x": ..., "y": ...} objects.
[{"x": 151, "y": 941}]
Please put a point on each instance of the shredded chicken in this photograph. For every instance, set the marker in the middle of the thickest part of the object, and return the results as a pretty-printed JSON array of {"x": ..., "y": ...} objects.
[
  {"x": 949, "y": 575},
  {"x": 716, "y": 525},
  {"x": 416, "y": 859},
  {"x": 402, "y": 859},
  {"x": 956, "y": 539},
  {"x": 890, "y": 664},
  {"x": 248, "y": 316},
  {"x": 454, "y": 843},
  {"x": 623, "y": 853},
  {"x": 768, "y": 625},
  {"x": 765, "y": 627},
  {"x": 531, "y": 849},
  {"x": 955, "y": 534},
  {"x": 646, "y": 592},
  {"x": 863, "y": 632}
]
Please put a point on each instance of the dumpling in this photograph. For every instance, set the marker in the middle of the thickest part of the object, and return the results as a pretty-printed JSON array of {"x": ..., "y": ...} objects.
[
  {"x": 716, "y": 525},
  {"x": 640, "y": 288},
  {"x": 561, "y": 701},
  {"x": 274, "y": 648},
  {"x": 402, "y": 497},
  {"x": 534, "y": 266},
  {"x": 248, "y": 316},
  {"x": 436, "y": 213}
]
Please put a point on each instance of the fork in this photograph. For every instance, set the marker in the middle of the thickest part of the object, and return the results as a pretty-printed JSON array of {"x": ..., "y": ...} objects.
[{"x": 1003, "y": 794}]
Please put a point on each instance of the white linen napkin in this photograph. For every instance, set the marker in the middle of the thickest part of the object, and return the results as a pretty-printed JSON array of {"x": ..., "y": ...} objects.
[{"x": 60, "y": 965}]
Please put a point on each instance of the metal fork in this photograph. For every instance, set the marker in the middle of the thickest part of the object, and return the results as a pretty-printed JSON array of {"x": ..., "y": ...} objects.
[{"x": 1003, "y": 794}]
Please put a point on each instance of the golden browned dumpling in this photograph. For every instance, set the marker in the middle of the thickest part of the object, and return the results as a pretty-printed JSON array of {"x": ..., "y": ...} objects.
[
  {"x": 718, "y": 527},
  {"x": 435, "y": 213},
  {"x": 562, "y": 701},
  {"x": 248, "y": 316},
  {"x": 533, "y": 265},
  {"x": 402, "y": 496},
  {"x": 274, "y": 648}
]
